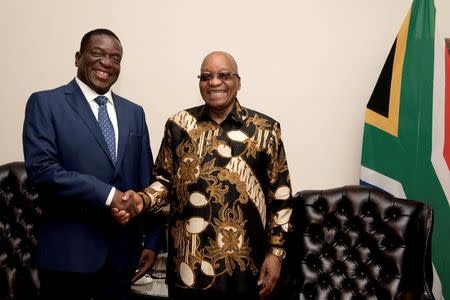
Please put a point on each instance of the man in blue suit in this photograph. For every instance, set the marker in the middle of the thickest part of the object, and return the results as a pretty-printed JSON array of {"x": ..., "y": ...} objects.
[{"x": 83, "y": 146}]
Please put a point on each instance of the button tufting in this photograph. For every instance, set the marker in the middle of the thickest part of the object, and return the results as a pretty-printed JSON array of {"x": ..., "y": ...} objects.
[
  {"x": 18, "y": 212},
  {"x": 324, "y": 280},
  {"x": 314, "y": 262},
  {"x": 320, "y": 206},
  {"x": 334, "y": 295}
]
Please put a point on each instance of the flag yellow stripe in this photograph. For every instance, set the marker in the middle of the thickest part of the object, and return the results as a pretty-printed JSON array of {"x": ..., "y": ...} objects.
[{"x": 390, "y": 124}]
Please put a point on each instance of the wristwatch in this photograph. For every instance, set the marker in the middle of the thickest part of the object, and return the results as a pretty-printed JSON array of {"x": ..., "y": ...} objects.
[{"x": 278, "y": 252}]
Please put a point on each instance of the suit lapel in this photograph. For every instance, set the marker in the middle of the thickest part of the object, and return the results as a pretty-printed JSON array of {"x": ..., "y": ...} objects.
[
  {"x": 76, "y": 99},
  {"x": 123, "y": 124}
]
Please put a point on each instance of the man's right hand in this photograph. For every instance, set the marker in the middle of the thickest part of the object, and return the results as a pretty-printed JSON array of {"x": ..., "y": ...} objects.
[{"x": 123, "y": 208}]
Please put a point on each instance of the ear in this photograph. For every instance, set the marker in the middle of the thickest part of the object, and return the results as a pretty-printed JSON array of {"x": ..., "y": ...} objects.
[
  {"x": 77, "y": 58},
  {"x": 239, "y": 84}
]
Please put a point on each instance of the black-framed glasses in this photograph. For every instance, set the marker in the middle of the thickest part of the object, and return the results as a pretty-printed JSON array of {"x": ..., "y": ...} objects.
[{"x": 223, "y": 76}]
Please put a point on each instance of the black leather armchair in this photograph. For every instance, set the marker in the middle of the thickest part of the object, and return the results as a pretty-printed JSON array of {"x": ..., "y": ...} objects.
[
  {"x": 358, "y": 242},
  {"x": 19, "y": 211}
]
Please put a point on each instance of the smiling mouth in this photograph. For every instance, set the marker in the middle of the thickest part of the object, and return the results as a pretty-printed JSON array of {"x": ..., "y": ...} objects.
[
  {"x": 216, "y": 92},
  {"x": 102, "y": 75}
]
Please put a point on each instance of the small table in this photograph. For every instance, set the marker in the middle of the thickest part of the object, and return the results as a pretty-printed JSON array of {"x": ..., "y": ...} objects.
[{"x": 157, "y": 289}]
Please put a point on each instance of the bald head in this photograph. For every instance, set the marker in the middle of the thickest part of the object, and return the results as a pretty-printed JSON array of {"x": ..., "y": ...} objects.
[
  {"x": 215, "y": 54},
  {"x": 219, "y": 84}
]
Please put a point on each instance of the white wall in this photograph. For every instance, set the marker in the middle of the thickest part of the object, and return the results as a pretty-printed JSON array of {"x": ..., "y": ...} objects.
[{"x": 311, "y": 64}]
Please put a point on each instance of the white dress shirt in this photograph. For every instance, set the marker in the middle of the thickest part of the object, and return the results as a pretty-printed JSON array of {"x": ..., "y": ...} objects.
[{"x": 90, "y": 96}]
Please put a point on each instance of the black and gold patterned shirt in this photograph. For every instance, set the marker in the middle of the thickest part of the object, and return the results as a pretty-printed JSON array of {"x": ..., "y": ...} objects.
[{"x": 229, "y": 190}]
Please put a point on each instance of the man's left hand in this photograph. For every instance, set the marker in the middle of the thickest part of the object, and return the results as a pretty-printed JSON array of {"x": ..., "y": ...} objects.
[
  {"x": 269, "y": 274},
  {"x": 146, "y": 262}
]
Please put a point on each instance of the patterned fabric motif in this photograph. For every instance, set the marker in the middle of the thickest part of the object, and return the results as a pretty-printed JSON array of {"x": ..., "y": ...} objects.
[
  {"x": 107, "y": 128},
  {"x": 229, "y": 190}
]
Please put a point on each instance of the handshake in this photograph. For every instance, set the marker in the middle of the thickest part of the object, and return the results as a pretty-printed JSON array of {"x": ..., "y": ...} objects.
[{"x": 125, "y": 206}]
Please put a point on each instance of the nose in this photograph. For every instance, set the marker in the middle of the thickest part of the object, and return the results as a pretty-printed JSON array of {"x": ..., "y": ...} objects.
[
  {"x": 106, "y": 61},
  {"x": 214, "y": 81}
]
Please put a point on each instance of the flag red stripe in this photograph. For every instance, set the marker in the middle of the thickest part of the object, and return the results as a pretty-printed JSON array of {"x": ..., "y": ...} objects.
[{"x": 447, "y": 110}]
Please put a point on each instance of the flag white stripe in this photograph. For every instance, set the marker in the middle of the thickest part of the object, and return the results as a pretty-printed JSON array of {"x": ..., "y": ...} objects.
[{"x": 388, "y": 184}]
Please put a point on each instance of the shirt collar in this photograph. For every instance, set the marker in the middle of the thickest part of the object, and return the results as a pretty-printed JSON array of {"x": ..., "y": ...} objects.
[
  {"x": 90, "y": 94},
  {"x": 236, "y": 113}
]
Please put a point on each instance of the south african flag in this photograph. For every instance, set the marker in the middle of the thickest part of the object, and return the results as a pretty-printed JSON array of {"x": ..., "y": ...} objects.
[{"x": 406, "y": 144}]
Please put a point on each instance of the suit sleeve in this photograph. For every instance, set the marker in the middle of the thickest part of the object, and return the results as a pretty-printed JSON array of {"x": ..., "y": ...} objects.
[
  {"x": 154, "y": 237},
  {"x": 42, "y": 158}
]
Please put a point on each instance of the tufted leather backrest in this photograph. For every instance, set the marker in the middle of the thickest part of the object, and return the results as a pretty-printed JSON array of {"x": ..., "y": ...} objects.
[
  {"x": 358, "y": 242},
  {"x": 19, "y": 211}
]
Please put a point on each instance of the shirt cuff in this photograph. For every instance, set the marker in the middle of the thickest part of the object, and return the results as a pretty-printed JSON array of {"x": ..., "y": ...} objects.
[{"x": 110, "y": 196}]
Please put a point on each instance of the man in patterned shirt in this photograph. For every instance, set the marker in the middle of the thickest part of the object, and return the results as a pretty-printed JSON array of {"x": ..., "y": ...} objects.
[{"x": 223, "y": 169}]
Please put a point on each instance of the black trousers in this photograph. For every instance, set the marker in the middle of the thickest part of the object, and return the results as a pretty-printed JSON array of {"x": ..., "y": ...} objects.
[
  {"x": 101, "y": 285},
  {"x": 197, "y": 294}
]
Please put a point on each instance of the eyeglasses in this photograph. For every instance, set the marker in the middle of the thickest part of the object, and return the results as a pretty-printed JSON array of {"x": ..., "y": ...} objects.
[{"x": 223, "y": 76}]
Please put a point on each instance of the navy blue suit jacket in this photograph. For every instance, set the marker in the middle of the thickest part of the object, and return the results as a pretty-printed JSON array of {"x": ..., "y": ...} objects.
[{"x": 67, "y": 158}]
